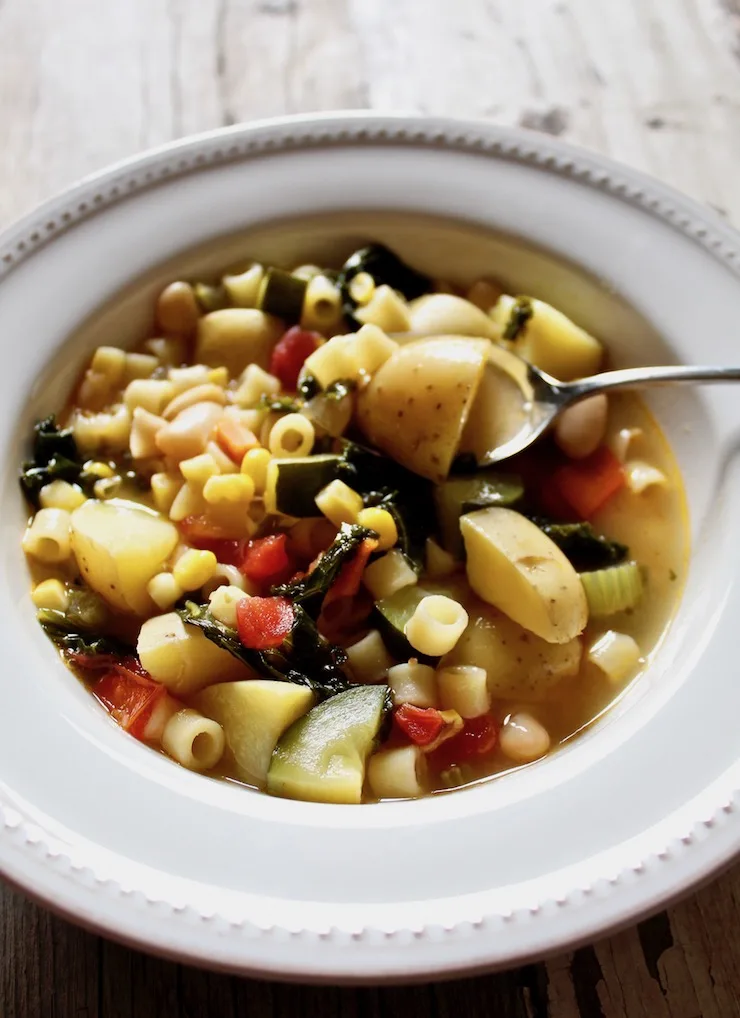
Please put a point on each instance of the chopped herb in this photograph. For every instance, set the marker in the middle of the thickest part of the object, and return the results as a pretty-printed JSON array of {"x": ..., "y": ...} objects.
[
  {"x": 339, "y": 389},
  {"x": 672, "y": 575},
  {"x": 280, "y": 404},
  {"x": 305, "y": 657},
  {"x": 519, "y": 315},
  {"x": 580, "y": 543},
  {"x": 308, "y": 387},
  {"x": 311, "y": 590}
]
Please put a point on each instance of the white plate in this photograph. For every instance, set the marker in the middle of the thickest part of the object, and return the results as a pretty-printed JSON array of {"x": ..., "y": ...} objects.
[{"x": 104, "y": 830}]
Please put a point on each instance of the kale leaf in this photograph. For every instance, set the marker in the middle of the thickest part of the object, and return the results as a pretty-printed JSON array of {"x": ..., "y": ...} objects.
[
  {"x": 55, "y": 458},
  {"x": 582, "y": 546},
  {"x": 73, "y": 638},
  {"x": 520, "y": 314}
]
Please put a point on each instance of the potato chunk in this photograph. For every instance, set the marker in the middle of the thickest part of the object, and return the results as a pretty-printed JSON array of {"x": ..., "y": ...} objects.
[
  {"x": 119, "y": 547},
  {"x": 417, "y": 403},
  {"x": 514, "y": 566},
  {"x": 236, "y": 337}
]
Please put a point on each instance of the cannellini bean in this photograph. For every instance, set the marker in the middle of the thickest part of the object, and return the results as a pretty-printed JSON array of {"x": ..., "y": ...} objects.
[
  {"x": 580, "y": 429},
  {"x": 523, "y": 738},
  {"x": 186, "y": 436},
  {"x": 208, "y": 393},
  {"x": 177, "y": 309}
]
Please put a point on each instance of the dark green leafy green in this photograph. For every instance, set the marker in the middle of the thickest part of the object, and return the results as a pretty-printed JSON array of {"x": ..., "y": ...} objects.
[
  {"x": 385, "y": 267},
  {"x": 55, "y": 458},
  {"x": 520, "y": 314},
  {"x": 308, "y": 387},
  {"x": 280, "y": 404},
  {"x": 310, "y": 591},
  {"x": 459, "y": 495},
  {"x": 305, "y": 656},
  {"x": 74, "y": 638},
  {"x": 582, "y": 546}
]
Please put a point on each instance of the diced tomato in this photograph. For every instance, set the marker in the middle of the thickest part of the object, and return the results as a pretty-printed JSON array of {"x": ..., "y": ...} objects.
[
  {"x": 587, "y": 484},
  {"x": 347, "y": 583},
  {"x": 199, "y": 530},
  {"x": 234, "y": 438},
  {"x": 228, "y": 552},
  {"x": 130, "y": 698},
  {"x": 290, "y": 353},
  {"x": 264, "y": 622},
  {"x": 265, "y": 561},
  {"x": 421, "y": 724},
  {"x": 478, "y": 738}
]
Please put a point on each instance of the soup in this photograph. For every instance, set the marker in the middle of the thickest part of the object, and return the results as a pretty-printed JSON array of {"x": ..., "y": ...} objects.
[{"x": 264, "y": 542}]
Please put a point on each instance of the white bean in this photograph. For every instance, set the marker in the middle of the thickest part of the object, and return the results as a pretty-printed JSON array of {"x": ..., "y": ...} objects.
[
  {"x": 523, "y": 738},
  {"x": 580, "y": 429}
]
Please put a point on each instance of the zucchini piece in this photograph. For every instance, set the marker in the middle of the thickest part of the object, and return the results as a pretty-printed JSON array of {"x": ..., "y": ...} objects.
[
  {"x": 392, "y": 614},
  {"x": 282, "y": 294},
  {"x": 321, "y": 757},
  {"x": 460, "y": 495},
  {"x": 293, "y": 484},
  {"x": 613, "y": 590},
  {"x": 254, "y": 714}
]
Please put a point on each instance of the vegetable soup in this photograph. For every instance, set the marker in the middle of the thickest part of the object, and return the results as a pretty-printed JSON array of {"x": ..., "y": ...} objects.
[{"x": 264, "y": 542}]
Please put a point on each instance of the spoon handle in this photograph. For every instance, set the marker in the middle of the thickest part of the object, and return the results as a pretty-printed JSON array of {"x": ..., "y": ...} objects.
[{"x": 637, "y": 377}]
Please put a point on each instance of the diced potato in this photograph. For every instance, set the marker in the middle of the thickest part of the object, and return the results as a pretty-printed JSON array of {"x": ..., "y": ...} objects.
[
  {"x": 254, "y": 714},
  {"x": 182, "y": 658},
  {"x": 416, "y": 405},
  {"x": 437, "y": 314},
  {"x": 119, "y": 547},
  {"x": 552, "y": 342},
  {"x": 514, "y": 566},
  {"x": 518, "y": 664},
  {"x": 236, "y": 337}
]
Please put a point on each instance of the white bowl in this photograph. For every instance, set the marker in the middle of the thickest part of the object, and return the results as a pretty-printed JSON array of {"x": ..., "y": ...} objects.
[{"x": 631, "y": 814}]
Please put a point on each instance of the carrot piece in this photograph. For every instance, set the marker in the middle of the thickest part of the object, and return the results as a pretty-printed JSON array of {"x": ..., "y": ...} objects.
[
  {"x": 234, "y": 438},
  {"x": 587, "y": 484}
]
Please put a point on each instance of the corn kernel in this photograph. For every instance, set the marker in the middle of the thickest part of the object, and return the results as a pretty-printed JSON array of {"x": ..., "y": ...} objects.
[
  {"x": 339, "y": 503},
  {"x": 164, "y": 489},
  {"x": 110, "y": 362},
  {"x": 255, "y": 465},
  {"x": 382, "y": 522},
  {"x": 164, "y": 590},
  {"x": 194, "y": 568},
  {"x": 61, "y": 495},
  {"x": 51, "y": 594},
  {"x": 231, "y": 488},
  {"x": 199, "y": 469},
  {"x": 99, "y": 469}
]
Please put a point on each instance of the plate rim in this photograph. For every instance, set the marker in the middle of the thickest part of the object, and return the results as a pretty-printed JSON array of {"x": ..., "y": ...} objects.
[{"x": 97, "y": 192}]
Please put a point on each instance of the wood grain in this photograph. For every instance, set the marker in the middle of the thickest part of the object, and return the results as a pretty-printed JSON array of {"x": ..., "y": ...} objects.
[{"x": 655, "y": 83}]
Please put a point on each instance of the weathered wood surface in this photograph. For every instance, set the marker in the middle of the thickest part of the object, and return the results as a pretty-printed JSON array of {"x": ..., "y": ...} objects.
[{"x": 655, "y": 83}]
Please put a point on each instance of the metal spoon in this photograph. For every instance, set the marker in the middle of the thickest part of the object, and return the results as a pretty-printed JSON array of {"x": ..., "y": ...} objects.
[{"x": 544, "y": 397}]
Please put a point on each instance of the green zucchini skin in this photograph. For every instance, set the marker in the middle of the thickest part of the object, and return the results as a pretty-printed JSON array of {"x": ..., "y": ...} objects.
[
  {"x": 460, "y": 495},
  {"x": 391, "y": 615},
  {"x": 282, "y": 294},
  {"x": 299, "y": 480}
]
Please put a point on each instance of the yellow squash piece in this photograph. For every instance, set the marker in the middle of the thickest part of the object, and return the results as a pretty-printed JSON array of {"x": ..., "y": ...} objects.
[
  {"x": 417, "y": 403},
  {"x": 119, "y": 547},
  {"x": 514, "y": 566},
  {"x": 254, "y": 714}
]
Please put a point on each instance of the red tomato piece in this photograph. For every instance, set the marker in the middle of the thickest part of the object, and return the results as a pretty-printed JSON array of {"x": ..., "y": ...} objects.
[
  {"x": 290, "y": 353},
  {"x": 234, "y": 438},
  {"x": 228, "y": 552},
  {"x": 264, "y": 622},
  {"x": 130, "y": 698},
  {"x": 479, "y": 737},
  {"x": 202, "y": 529},
  {"x": 347, "y": 583},
  {"x": 265, "y": 561},
  {"x": 587, "y": 484},
  {"x": 421, "y": 724}
]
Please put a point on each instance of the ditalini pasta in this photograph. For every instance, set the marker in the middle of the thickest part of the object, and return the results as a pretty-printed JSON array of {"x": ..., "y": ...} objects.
[{"x": 262, "y": 541}]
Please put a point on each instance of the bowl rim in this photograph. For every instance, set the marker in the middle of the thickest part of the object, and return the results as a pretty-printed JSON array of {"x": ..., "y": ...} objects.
[{"x": 100, "y": 190}]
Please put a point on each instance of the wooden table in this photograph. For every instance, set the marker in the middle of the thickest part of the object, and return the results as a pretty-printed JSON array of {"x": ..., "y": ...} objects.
[{"x": 655, "y": 83}]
